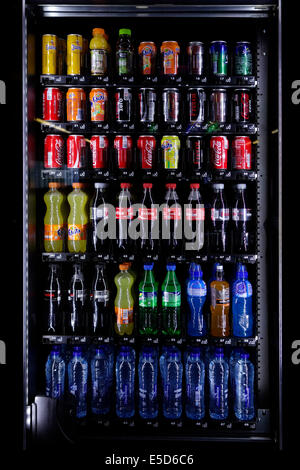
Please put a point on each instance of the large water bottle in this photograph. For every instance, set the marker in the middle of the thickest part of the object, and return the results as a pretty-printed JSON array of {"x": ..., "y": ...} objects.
[
  {"x": 196, "y": 295},
  {"x": 171, "y": 373},
  {"x": 125, "y": 372},
  {"x": 233, "y": 358},
  {"x": 218, "y": 386},
  {"x": 148, "y": 405},
  {"x": 100, "y": 399},
  {"x": 195, "y": 376},
  {"x": 244, "y": 388},
  {"x": 77, "y": 374},
  {"x": 55, "y": 374},
  {"x": 242, "y": 316}
]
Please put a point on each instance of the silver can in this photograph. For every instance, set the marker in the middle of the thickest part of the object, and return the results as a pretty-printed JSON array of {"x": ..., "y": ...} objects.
[
  {"x": 171, "y": 101},
  {"x": 147, "y": 101},
  {"x": 195, "y": 52},
  {"x": 218, "y": 105}
]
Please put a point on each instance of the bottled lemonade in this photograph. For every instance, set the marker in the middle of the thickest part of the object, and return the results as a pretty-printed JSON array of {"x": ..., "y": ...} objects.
[
  {"x": 220, "y": 302},
  {"x": 124, "y": 302},
  {"x": 78, "y": 219},
  {"x": 99, "y": 52},
  {"x": 55, "y": 219}
]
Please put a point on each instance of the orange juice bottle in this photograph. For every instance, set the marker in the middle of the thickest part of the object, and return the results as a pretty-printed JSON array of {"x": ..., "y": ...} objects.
[
  {"x": 55, "y": 220},
  {"x": 99, "y": 52},
  {"x": 220, "y": 303},
  {"x": 78, "y": 219}
]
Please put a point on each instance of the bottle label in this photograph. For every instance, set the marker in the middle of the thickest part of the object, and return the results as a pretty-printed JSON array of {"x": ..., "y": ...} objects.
[
  {"x": 148, "y": 299},
  {"x": 171, "y": 299},
  {"x": 172, "y": 213},
  {"x": 243, "y": 289},
  {"x": 77, "y": 232},
  {"x": 195, "y": 213},
  {"x": 52, "y": 295},
  {"x": 197, "y": 291},
  {"x": 54, "y": 232},
  {"x": 123, "y": 62},
  {"x": 77, "y": 295},
  {"x": 99, "y": 213},
  {"x": 147, "y": 214},
  {"x": 241, "y": 215},
  {"x": 124, "y": 315},
  {"x": 220, "y": 296},
  {"x": 100, "y": 295},
  {"x": 124, "y": 213},
  {"x": 219, "y": 214},
  {"x": 98, "y": 62}
]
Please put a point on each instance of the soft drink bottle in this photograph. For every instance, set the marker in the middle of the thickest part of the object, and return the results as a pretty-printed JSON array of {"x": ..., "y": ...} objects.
[
  {"x": 171, "y": 302},
  {"x": 149, "y": 223},
  {"x": 124, "y": 303},
  {"x": 54, "y": 221},
  {"x": 212, "y": 278},
  {"x": 124, "y": 53},
  {"x": 78, "y": 375},
  {"x": 218, "y": 386},
  {"x": 125, "y": 375},
  {"x": 194, "y": 220},
  {"x": 124, "y": 215},
  {"x": 100, "y": 382},
  {"x": 53, "y": 311},
  {"x": 99, "y": 214},
  {"x": 219, "y": 212},
  {"x": 172, "y": 221},
  {"x": 242, "y": 316},
  {"x": 194, "y": 376},
  {"x": 148, "y": 314},
  {"x": 147, "y": 370},
  {"x": 244, "y": 388},
  {"x": 55, "y": 374},
  {"x": 99, "y": 52},
  {"x": 241, "y": 220},
  {"x": 171, "y": 374},
  {"x": 100, "y": 313},
  {"x": 220, "y": 303},
  {"x": 196, "y": 296},
  {"x": 78, "y": 219},
  {"x": 77, "y": 296}
]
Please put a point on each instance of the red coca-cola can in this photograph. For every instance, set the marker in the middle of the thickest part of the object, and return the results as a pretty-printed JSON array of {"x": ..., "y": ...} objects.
[
  {"x": 76, "y": 151},
  {"x": 242, "y": 103},
  {"x": 146, "y": 145},
  {"x": 123, "y": 146},
  {"x": 99, "y": 149},
  {"x": 52, "y": 104},
  {"x": 53, "y": 151},
  {"x": 241, "y": 153},
  {"x": 219, "y": 152}
]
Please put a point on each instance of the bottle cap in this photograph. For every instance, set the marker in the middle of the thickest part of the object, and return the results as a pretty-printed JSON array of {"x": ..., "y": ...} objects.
[
  {"x": 76, "y": 350},
  {"x": 219, "y": 352},
  {"x": 98, "y": 31},
  {"x": 218, "y": 186},
  {"x": 78, "y": 185},
  {"x": 148, "y": 266},
  {"x": 241, "y": 186},
  {"x": 101, "y": 185},
  {"x": 171, "y": 267},
  {"x": 125, "y": 185},
  {"x": 244, "y": 355},
  {"x": 125, "y": 31},
  {"x": 219, "y": 267},
  {"x": 171, "y": 185},
  {"x": 55, "y": 350},
  {"x": 242, "y": 272},
  {"x": 194, "y": 185},
  {"x": 54, "y": 185},
  {"x": 147, "y": 185},
  {"x": 123, "y": 267},
  {"x": 125, "y": 349}
]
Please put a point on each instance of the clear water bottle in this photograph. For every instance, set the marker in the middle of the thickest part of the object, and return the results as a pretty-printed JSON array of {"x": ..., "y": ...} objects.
[
  {"x": 194, "y": 376},
  {"x": 55, "y": 374},
  {"x": 218, "y": 386},
  {"x": 244, "y": 388},
  {"x": 99, "y": 366},
  {"x": 77, "y": 374},
  {"x": 147, "y": 369},
  {"x": 171, "y": 373},
  {"x": 111, "y": 359},
  {"x": 196, "y": 296},
  {"x": 233, "y": 358},
  {"x": 242, "y": 315},
  {"x": 125, "y": 374}
]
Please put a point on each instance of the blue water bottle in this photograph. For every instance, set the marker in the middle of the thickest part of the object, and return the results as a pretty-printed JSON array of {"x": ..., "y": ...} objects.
[
  {"x": 244, "y": 388},
  {"x": 242, "y": 316},
  {"x": 171, "y": 373},
  {"x": 194, "y": 376},
  {"x": 99, "y": 365},
  {"x": 147, "y": 370},
  {"x": 55, "y": 374},
  {"x": 125, "y": 375},
  {"x": 218, "y": 386},
  {"x": 77, "y": 375},
  {"x": 196, "y": 296}
]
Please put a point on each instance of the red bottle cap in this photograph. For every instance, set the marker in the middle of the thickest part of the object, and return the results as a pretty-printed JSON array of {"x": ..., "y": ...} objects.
[
  {"x": 194, "y": 185},
  {"x": 171, "y": 185},
  {"x": 147, "y": 185},
  {"x": 125, "y": 185}
]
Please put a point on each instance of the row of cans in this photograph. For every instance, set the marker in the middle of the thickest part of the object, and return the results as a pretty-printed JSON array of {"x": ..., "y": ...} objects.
[
  {"x": 241, "y": 152},
  {"x": 74, "y": 50},
  {"x": 199, "y": 107}
]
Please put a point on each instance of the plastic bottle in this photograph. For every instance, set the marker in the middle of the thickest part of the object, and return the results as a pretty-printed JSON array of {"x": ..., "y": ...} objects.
[
  {"x": 219, "y": 240},
  {"x": 171, "y": 374},
  {"x": 99, "y": 52},
  {"x": 194, "y": 220},
  {"x": 100, "y": 313},
  {"x": 99, "y": 219},
  {"x": 78, "y": 219},
  {"x": 124, "y": 303},
  {"x": 171, "y": 303},
  {"x": 212, "y": 278},
  {"x": 241, "y": 221},
  {"x": 149, "y": 221},
  {"x": 148, "y": 313},
  {"x": 77, "y": 296},
  {"x": 147, "y": 370},
  {"x": 124, "y": 215},
  {"x": 55, "y": 374},
  {"x": 242, "y": 315},
  {"x": 124, "y": 53},
  {"x": 172, "y": 222},
  {"x": 244, "y": 388},
  {"x": 194, "y": 376},
  {"x": 234, "y": 356},
  {"x": 78, "y": 374},
  {"x": 54, "y": 220},
  {"x": 220, "y": 304},
  {"x": 125, "y": 375},
  {"x": 218, "y": 386},
  {"x": 100, "y": 382},
  {"x": 53, "y": 308},
  {"x": 196, "y": 296}
]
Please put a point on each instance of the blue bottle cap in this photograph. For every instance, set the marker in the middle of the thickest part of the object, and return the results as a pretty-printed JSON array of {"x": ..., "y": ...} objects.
[
  {"x": 125, "y": 349},
  {"x": 219, "y": 352},
  {"x": 55, "y": 350},
  {"x": 244, "y": 355},
  {"x": 171, "y": 267},
  {"x": 242, "y": 272},
  {"x": 76, "y": 350},
  {"x": 148, "y": 266}
]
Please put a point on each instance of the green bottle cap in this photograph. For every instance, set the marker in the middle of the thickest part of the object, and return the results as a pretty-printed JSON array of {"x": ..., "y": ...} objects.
[{"x": 125, "y": 31}]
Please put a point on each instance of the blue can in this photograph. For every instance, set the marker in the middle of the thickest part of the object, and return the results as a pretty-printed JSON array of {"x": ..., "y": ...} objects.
[
  {"x": 218, "y": 58},
  {"x": 243, "y": 58}
]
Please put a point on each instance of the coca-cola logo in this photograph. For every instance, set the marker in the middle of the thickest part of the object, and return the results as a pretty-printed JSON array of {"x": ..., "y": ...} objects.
[
  {"x": 59, "y": 152},
  {"x": 148, "y": 153}
]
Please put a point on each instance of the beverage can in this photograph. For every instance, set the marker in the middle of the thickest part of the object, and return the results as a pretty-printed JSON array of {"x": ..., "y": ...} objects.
[
  {"x": 99, "y": 148},
  {"x": 196, "y": 100},
  {"x": 123, "y": 146},
  {"x": 218, "y": 105},
  {"x": 242, "y": 104},
  {"x": 76, "y": 151},
  {"x": 49, "y": 54},
  {"x": 147, "y": 144},
  {"x": 170, "y": 145},
  {"x": 243, "y": 58},
  {"x": 147, "y": 101},
  {"x": 98, "y": 100},
  {"x": 241, "y": 153},
  {"x": 218, "y": 58},
  {"x": 196, "y": 147},
  {"x": 52, "y": 104},
  {"x": 123, "y": 104},
  {"x": 171, "y": 100},
  {"x": 170, "y": 55},
  {"x": 61, "y": 56},
  {"x": 218, "y": 152},
  {"x": 76, "y": 104},
  {"x": 147, "y": 55},
  {"x": 53, "y": 151},
  {"x": 195, "y": 50},
  {"x": 74, "y": 52},
  {"x": 84, "y": 56}
]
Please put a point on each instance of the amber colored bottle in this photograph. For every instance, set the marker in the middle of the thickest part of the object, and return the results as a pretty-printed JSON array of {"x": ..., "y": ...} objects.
[{"x": 220, "y": 304}]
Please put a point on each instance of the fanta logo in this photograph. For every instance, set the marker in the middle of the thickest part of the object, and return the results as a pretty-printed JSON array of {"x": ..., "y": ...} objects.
[
  {"x": 60, "y": 232},
  {"x": 147, "y": 50},
  {"x": 168, "y": 52},
  {"x": 167, "y": 144},
  {"x": 98, "y": 97},
  {"x": 73, "y": 230}
]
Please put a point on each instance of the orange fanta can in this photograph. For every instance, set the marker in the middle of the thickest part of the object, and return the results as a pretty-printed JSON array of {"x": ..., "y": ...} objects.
[
  {"x": 147, "y": 54},
  {"x": 76, "y": 104},
  {"x": 98, "y": 100},
  {"x": 170, "y": 54}
]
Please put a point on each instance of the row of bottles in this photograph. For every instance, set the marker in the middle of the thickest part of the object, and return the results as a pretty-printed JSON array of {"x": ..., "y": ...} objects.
[{"x": 156, "y": 310}]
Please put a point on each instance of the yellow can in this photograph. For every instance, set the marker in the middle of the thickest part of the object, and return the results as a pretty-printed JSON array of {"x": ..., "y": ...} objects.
[
  {"x": 170, "y": 145},
  {"x": 49, "y": 54},
  {"x": 74, "y": 51}
]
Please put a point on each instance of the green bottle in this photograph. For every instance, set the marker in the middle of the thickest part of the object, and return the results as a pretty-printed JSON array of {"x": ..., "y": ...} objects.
[
  {"x": 171, "y": 302},
  {"x": 148, "y": 302}
]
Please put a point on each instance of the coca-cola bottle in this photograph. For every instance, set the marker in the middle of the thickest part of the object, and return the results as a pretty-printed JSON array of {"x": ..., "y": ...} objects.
[
  {"x": 77, "y": 295},
  {"x": 194, "y": 220},
  {"x": 100, "y": 313},
  {"x": 53, "y": 311},
  {"x": 149, "y": 223},
  {"x": 172, "y": 221},
  {"x": 124, "y": 216},
  {"x": 99, "y": 213},
  {"x": 219, "y": 215},
  {"x": 241, "y": 221}
]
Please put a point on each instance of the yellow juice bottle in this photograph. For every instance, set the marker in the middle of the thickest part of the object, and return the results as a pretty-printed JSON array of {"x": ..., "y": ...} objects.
[
  {"x": 124, "y": 303},
  {"x": 78, "y": 219},
  {"x": 54, "y": 220},
  {"x": 99, "y": 52}
]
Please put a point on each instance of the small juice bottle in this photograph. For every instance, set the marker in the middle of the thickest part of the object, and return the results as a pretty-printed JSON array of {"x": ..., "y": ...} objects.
[
  {"x": 99, "y": 52},
  {"x": 124, "y": 302},
  {"x": 220, "y": 303},
  {"x": 54, "y": 221},
  {"x": 78, "y": 219}
]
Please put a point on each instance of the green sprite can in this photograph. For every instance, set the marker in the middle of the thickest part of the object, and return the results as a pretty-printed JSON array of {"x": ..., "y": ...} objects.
[
  {"x": 218, "y": 58},
  {"x": 243, "y": 58}
]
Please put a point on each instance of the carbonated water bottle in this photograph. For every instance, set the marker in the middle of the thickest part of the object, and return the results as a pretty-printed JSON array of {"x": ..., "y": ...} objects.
[
  {"x": 244, "y": 388},
  {"x": 125, "y": 374},
  {"x": 171, "y": 374},
  {"x": 100, "y": 399}
]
